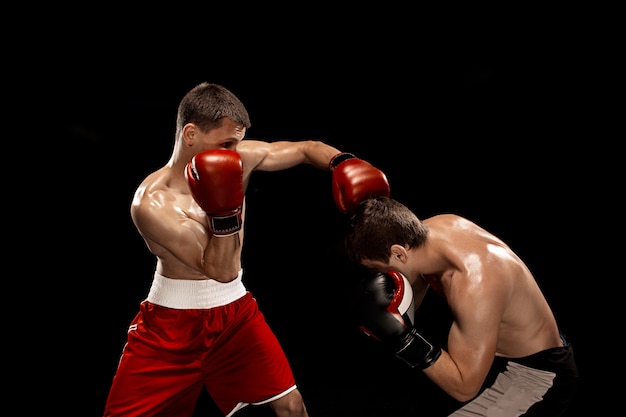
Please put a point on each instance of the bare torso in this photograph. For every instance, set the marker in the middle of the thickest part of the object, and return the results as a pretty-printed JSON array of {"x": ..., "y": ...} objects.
[
  {"x": 491, "y": 292},
  {"x": 174, "y": 226}
]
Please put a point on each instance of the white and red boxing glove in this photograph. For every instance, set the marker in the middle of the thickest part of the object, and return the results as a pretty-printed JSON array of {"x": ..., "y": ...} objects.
[
  {"x": 354, "y": 180},
  {"x": 215, "y": 178},
  {"x": 387, "y": 313}
]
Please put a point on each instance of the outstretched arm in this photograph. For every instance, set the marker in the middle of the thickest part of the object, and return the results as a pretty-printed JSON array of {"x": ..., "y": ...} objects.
[
  {"x": 275, "y": 156},
  {"x": 353, "y": 179}
]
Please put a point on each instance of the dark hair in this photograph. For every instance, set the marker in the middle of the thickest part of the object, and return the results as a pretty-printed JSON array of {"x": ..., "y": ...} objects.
[
  {"x": 377, "y": 224},
  {"x": 207, "y": 104}
]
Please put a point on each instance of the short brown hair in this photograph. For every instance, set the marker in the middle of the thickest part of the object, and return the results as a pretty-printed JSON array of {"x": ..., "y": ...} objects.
[
  {"x": 207, "y": 104},
  {"x": 377, "y": 224}
]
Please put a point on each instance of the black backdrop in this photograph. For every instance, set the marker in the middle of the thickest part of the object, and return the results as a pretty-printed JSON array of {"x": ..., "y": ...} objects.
[{"x": 480, "y": 123}]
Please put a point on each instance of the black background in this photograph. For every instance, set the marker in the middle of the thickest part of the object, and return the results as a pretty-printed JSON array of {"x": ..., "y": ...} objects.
[{"x": 489, "y": 118}]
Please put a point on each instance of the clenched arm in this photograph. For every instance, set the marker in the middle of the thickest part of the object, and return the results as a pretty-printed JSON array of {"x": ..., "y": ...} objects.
[{"x": 477, "y": 302}]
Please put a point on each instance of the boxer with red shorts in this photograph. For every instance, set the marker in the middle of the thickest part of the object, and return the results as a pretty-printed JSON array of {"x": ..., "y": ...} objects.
[{"x": 199, "y": 327}]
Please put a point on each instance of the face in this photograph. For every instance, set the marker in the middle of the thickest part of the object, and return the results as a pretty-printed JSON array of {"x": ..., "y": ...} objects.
[
  {"x": 376, "y": 266},
  {"x": 227, "y": 136},
  {"x": 397, "y": 261}
]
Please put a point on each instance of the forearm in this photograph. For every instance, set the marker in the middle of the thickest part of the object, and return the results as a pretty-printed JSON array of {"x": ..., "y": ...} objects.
[
  {"x": 319, "y": 153},
  {"x": 222, "y": 258},
  {"x": 446, "y": 374}
]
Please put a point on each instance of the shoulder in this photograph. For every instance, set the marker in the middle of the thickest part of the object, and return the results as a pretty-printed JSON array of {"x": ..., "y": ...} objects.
[
  {"x": 253, "y": 152},
  {"x": 271, "y": 156},
  {"x": 154, "y": 194},
  {"x": 447, "y": 220},
  {"x": 455, "y": 227}
]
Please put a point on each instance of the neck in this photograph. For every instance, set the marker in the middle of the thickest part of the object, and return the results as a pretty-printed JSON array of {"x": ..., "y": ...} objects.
[{"x": 181, "y": 155}]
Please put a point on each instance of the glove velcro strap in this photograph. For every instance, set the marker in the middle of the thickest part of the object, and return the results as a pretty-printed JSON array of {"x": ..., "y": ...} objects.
[
  {"x": 339, "y": 158},
  {"x": 225, "y": 225},
  {"x": 416, "y": 351}
]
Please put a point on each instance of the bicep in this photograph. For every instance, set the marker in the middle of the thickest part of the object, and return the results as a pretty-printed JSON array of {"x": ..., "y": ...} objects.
[{"x": 472, "y": 340}]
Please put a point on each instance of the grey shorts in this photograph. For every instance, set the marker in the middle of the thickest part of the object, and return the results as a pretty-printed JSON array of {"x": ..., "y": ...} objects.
[{"x": 543, "y": 384}]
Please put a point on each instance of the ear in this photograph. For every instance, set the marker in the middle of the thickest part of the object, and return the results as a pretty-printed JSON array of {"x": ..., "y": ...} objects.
[
  {"x": 398, "y": 252},
  {"x": 189, "y": 133}
]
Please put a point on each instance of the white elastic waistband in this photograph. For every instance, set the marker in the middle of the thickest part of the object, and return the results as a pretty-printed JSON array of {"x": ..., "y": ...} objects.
[{"x": 194, "y": 294}]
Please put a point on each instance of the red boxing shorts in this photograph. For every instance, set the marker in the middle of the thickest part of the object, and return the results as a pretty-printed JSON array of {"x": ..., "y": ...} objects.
[{"x": 194, "y": 334}]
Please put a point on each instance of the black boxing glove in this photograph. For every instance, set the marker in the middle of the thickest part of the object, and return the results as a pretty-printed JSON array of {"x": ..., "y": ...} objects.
[{"x": 387, "y": 312}]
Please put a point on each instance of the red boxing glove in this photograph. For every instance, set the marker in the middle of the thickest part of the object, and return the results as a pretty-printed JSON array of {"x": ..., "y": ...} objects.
[
  {"x": 354, "y": 180},
  {"x": 215, "y": 178}
]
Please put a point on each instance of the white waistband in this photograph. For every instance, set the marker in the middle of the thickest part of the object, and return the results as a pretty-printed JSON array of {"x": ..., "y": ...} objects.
[{"x": 194, "y": 294}]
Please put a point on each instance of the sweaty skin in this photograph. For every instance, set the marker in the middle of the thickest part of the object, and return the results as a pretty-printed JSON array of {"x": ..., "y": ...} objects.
[
  {"x": 174, "y": 226},
  {"x": 497, "y": 306},
  {"x": 176, "y": 229}
]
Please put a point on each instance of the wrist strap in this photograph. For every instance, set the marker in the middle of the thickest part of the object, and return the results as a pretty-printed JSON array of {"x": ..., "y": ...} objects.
[
  {"x": 226, "y": 225},
  {"x": 416, "y": 351},
  {"x": 339, "y": 158}
]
